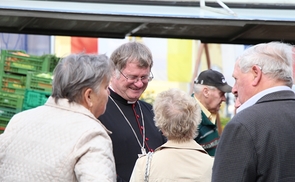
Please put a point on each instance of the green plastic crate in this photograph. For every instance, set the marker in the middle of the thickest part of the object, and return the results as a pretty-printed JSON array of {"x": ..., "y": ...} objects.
[
  {"x": 21, "y": 63},
  {"x": 6, "y": 114},
  {"x": 11, "y": 100},
  {"x": 14, "y": 90},
  {"x": 34, "y": 99},
  {"x": 40, "y": 81},
  {"x": 3, "y": 123},
  {"x": 13, "y": 81},
  {"x": 2, "y": 126},
  {"x": 53, "y": 60}
]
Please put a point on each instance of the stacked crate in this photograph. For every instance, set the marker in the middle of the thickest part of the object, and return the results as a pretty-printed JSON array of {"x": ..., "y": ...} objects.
[
  {"x": 38, "y": 89},
  {"x": 25, "y": 82},
  {"x": 10, "y": 104}
]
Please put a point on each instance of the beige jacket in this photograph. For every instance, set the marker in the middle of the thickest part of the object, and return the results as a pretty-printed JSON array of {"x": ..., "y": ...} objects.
[
  {"x": 56, "y": 143},
  {"x": 176, "y": 162}
]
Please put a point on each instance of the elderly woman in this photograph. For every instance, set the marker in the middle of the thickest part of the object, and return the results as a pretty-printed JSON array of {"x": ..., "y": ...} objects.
[
  {"x": 177, "y": 115},
  {"x": 63, "y": 140}
]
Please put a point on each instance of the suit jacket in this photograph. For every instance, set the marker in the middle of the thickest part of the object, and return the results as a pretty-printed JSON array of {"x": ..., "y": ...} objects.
[
  {"x": 258, "y": 144},
  {"x": 176, "y": 162}
]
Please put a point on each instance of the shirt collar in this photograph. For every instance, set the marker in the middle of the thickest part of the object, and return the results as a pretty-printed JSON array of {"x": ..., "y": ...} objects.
[
  {"x": 191, "y": 144},
  {"x": 210, "y": 116},
  {"x": 118, "y": 97},
  {"x": 259, "y": 95}
]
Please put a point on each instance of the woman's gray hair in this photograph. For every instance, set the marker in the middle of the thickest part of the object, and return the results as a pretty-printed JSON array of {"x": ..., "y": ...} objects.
[
  {"x": 274, "y": 59},
  {"x": 132, "y": 52},
  {"x": 177, "y": 115},
  {"x": 77, "y": 72}
]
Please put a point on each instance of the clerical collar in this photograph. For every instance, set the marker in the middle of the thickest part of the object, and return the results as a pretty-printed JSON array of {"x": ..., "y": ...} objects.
[
  {"x": 130, "y": 102},
  {"x": 117, "y": 96}
]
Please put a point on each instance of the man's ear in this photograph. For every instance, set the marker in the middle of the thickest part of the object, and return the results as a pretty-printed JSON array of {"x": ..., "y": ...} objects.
[
  {"x": 205, "y": 91},
  {"x": 257, "y": 74}
]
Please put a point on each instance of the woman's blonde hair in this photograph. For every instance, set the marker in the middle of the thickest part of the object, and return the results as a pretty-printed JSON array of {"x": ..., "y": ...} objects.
[{"x": 177, "y": 115}]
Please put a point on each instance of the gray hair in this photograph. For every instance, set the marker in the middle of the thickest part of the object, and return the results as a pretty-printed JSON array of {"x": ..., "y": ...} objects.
[
  {"x": 132, "y": 52},
  {"x": 274, "y": 59},
  {"x": 77, "y": 72},
  {"x": 177, "y": 115},
  {"x": 199, "y": 87}
]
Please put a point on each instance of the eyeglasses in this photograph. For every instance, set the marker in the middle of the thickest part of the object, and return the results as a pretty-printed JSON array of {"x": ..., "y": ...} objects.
[{"x": 134, "y": 79}]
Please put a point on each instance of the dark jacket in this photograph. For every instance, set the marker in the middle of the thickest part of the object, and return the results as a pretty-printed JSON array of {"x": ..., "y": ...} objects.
[
  {"x": 208, "y": 135},
  {"x": 125, "y": 144},
  {"x": 258, "y": 145}
]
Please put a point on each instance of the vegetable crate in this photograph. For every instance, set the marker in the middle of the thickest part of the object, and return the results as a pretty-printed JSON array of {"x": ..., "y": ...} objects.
[
  {"x": 19, "y": 62},
  {"x": 13, "y": 83},
  {"x": 11, "y": 100},
  {"x": 5, "y": 116},
  {"x": 53, "y": 61},
  {"x": 3, "y": 123},
  {"x": 34, "y": 98},
  {"x": 40, "y": 81}
]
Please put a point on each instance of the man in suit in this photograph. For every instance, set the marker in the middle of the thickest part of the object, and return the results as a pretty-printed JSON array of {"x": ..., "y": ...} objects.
[{"x": 258, "y": 143}]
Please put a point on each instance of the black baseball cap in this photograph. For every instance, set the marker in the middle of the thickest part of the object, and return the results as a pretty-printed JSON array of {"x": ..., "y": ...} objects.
[{"x": 213, "y": 78}]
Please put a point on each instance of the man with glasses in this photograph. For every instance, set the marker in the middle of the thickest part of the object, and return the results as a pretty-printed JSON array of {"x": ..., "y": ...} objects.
[
  {"x": 129, "y": 119},
  {"x": 209, "y": 89}
]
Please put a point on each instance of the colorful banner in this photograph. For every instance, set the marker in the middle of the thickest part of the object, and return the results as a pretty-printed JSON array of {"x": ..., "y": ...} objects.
[
  {"x": 62, "y": 45},
  {"x": 85, "y": 45},
  {"x": 173, "y": 58},
  {"x": 179, "y": 60}
]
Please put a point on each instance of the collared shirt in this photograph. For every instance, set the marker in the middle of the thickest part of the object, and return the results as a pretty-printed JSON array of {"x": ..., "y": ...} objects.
[
  {"x": 259, "y": 95},
  {"x": 210, "y": 116}
]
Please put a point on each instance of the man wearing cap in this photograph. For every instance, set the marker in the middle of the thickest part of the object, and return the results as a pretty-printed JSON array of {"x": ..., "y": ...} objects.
[{"x": 209, "y": 91}]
